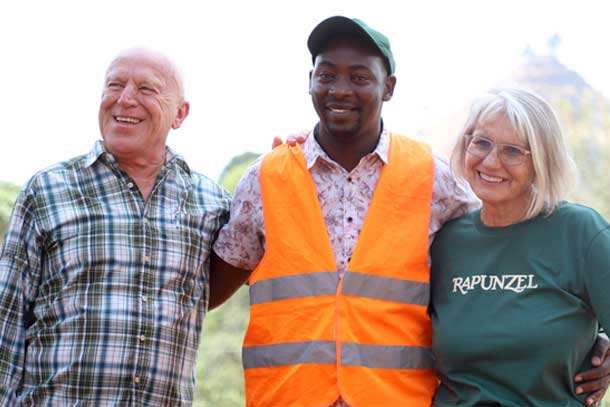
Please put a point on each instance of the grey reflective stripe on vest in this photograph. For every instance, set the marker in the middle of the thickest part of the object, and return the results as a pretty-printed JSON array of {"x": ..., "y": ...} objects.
[
  {"x": 386, "y": 357},
  {"x": 385, "y": 288},
  {"x": 302, "y": 285},
  {"x": 323, "y": 352},
  {"x": 318, "y": 352}
]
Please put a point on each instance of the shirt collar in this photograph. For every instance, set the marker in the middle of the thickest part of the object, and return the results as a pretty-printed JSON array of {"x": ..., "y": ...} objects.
[
  {"x": 99, "y": 150},
  {"x": 96, "y": 152},
  {"x": 312, "y": 151}
]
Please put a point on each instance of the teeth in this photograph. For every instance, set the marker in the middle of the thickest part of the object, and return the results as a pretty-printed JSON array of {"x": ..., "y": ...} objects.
[
  {"x": 125, "y": 119},
  {"x": 489, "y": 178}
]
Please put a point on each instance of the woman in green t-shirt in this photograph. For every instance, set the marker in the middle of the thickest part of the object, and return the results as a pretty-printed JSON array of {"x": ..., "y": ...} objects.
[{"x": 520, "y": 287}]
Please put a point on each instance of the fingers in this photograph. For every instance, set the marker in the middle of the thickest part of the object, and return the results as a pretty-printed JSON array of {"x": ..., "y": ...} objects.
[
  {"x": 295, "y": 139},
  {"x": 596, "y": 388},
  {"x": 277, "y": 141},
  {"x": 592, "y": 374},
  {"x": 594, "y": 398},
  {"x": 595, "y": 381},
  {"x": 600, "y": 349},
  {"x": 592, "y": 386},
  {"x": 292, "y": 140}
]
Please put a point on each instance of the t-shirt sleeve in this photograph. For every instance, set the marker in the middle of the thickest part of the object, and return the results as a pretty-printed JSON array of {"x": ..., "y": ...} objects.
[
  {"x": 597, "y": 276},
  {"x": 241, "y": 240}
]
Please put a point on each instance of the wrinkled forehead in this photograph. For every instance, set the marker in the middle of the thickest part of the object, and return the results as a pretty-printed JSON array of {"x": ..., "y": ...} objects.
[
  {"x": 138, "y": 67},
  {"x": 145, "y": 67}
]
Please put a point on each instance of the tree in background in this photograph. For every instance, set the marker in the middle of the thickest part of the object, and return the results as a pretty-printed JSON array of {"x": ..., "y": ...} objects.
[
  {"x": 8, "y": 194},
  {"x": 230, "y": 175},
  {"x": 220, "y": 381},
  {"x": 585, "y": 117}
]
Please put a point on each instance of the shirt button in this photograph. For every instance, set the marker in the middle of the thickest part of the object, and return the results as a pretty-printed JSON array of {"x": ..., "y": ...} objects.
[
  {"x": 136, "y": 379},
  {"x": 130, "y": 185}
]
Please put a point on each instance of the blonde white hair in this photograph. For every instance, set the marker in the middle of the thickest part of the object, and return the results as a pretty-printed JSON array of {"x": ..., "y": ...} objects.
[{"x": 535, "y": 122}]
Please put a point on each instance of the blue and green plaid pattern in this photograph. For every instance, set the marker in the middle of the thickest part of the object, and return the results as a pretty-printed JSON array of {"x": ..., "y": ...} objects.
[{"x": 102, "y": 294}]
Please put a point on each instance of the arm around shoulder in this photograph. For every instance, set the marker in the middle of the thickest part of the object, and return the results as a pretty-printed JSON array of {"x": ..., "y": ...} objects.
[{"x": 451, "y": 196}]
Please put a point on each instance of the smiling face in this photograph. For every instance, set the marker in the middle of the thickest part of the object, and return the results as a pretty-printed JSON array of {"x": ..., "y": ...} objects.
[
  {"x": 141, "y": 102},
  {"x": 348, "y": 86},
  {"x": 499, "y": 186}
]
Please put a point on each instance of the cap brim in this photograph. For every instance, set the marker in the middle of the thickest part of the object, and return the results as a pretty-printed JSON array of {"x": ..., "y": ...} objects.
[{"x": 332, "y": 27}]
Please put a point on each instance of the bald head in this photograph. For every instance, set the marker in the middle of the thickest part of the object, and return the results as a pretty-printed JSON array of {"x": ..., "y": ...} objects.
[
  {"x": 142, "y": 100},
  {"x": 162, "y": 61}
]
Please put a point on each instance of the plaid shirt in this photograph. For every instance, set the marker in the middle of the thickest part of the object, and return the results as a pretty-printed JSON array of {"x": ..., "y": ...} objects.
[{"x": 102, "y": 294}]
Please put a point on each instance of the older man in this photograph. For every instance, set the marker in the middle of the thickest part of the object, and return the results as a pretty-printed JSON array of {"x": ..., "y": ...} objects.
[
  {"x": 337, "y": 236},
  {"x": 104, "y": 271}
]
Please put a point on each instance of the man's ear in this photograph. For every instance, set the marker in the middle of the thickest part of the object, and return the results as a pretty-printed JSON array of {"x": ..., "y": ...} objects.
[
  {"x": 388, "y": 87},
  {"x": 181, "y": 113}
]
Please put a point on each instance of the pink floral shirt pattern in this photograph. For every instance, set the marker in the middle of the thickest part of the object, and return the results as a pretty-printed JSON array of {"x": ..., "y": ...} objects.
[{"x": 344, "y": 198}]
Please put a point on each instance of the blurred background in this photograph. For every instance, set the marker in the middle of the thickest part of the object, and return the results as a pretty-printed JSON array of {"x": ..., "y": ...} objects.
[{"x": 246, "y": 70}]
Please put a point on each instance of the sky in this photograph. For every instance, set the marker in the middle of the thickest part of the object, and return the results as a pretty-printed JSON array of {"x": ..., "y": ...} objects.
[{"x": 246, "y": 65}]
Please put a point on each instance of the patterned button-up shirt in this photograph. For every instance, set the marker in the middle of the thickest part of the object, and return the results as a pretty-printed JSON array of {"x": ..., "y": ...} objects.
[
  {"x": 102, "y": 293},
  {"x": 344, "y": 199}
]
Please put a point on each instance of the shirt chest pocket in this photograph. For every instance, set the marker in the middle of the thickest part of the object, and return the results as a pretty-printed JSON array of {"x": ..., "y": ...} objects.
[
  {"x": 77, "y": 243},
  {"x": 183, "y": 251},
  {"x": 180, "y": 264}
]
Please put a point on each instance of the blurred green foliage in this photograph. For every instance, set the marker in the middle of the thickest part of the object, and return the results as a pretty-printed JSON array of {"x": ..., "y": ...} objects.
[
  {"x": 219, "y": 373},
  {"x": 8, "y": 194},
  {"x": 584, "y": 114},
  {"x": 219, "y": 376},
  {"x": 230, "y": 175}
]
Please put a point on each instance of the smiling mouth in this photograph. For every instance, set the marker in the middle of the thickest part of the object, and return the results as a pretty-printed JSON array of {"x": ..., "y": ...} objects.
[
  {"x": 491, "y": 179},
  {"x": 127, "y": 119},
  {"x": 341, "y": 110}
]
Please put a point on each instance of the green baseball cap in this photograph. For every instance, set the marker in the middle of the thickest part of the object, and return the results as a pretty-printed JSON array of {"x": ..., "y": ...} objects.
[{"x": 339, "y": 25}]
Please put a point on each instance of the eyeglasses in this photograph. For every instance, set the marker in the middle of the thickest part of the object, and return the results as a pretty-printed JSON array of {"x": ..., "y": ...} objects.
[{"x": 508, "y": 154}]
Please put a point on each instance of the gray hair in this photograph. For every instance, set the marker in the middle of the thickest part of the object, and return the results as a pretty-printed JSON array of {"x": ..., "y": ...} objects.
[{"x": 535, "y": 122}]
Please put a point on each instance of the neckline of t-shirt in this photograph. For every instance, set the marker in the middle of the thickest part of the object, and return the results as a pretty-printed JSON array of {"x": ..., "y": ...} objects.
[{"x": 499, "y": 230}]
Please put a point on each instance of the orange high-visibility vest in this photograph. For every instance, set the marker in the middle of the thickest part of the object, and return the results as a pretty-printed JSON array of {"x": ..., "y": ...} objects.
[{"x": 366, "y": 337}]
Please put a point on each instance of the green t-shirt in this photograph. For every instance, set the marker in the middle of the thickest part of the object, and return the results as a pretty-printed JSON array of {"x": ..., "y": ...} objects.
[{"x": 515, "y": 309}]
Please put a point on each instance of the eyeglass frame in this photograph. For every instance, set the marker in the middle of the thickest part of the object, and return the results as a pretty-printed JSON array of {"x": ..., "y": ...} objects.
[{"x": 497, "y": 147}]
